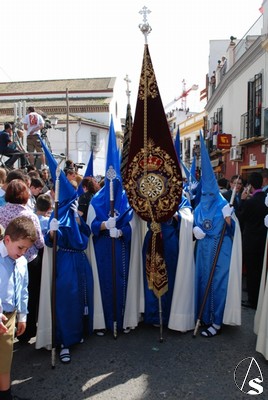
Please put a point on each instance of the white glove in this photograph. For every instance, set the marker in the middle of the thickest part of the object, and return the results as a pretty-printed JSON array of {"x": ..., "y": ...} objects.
[
  {"x": 193, "y": 185},
  {"x": 227, "y": 210},
  {"x": 198, "y": 233},
  {"x": 110, "y": 223},
  {"x": 74, "y": 207},
  {"x": 54, "y": 224},
  {"x": 115, "y": 233},
  {"x": 266, "y": 200},
  {"x": 266, "y": 221}
]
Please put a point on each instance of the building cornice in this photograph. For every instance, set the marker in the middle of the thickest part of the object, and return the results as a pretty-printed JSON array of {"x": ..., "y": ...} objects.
[{"x": 255, "y": 51}]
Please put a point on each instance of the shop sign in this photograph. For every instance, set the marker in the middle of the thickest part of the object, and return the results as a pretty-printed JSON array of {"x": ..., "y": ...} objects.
[{"x": 224, "y": 141}]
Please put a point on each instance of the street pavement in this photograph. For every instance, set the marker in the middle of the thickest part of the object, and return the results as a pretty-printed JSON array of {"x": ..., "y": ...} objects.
[{"x": 137, "y": 366}]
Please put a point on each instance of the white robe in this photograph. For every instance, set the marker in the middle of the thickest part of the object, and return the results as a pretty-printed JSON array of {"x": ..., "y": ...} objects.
[
  {"x": 182, "y": 313},
  {"x": 134, "y": 296},
  {"x": 44, "y": 326},
  {"x": 98, "y": 314},
  {"x": 261, "y": 316},
  {"x": 232, "y": 310},
  {"x": 135, "y": 289}
]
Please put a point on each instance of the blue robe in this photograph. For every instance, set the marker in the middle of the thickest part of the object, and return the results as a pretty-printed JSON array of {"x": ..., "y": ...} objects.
[
  {"x": 208, "y": 216},
  {"x": 74, "y": 282},
  {"x": 170, "y": 233},
  {"x": 103, "y": 250}
]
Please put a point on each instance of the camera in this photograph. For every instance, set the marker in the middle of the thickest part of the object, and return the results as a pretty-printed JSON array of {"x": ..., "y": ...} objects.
[
  {"x": 79, "y": 165},
  {"x": 47, "y": 126}
]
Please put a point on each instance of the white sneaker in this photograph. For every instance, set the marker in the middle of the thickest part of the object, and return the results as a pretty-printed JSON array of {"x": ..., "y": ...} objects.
[{"x": 99, "y": 332}]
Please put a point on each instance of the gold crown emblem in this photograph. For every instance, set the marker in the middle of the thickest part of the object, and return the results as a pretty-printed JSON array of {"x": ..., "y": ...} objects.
[{"x": 153, "y": 163}]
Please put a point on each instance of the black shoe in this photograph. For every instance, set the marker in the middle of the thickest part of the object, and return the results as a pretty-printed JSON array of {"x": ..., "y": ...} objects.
[
  {"x": 247, "y": 304},
  {"x": 23, "y": 339}
]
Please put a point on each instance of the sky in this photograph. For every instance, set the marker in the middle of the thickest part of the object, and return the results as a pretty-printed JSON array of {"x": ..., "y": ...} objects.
[{"x": 59, "y": 39}]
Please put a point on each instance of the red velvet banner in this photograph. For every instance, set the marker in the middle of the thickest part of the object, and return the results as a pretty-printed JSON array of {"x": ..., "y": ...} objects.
[{"x": 152, "y": 178}]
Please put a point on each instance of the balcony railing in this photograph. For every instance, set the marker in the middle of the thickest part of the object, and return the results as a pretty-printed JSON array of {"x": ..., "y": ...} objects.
[
  {"x": 187, "y": 154},
  {"x": 251, "y": 125},
  {"x": 249, "y": 38}
]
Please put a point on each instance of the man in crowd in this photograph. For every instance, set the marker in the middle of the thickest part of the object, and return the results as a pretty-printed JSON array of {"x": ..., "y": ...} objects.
[
  {"x": 8, "y": 149},
  {"x": 33, "y": 123}
]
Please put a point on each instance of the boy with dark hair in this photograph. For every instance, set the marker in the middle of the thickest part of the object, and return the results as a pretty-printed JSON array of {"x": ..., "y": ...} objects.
[
  {"x": 36, "y": 187},
  {"x": 43, "y": 210},
  {"x": 20, "y": 234}
]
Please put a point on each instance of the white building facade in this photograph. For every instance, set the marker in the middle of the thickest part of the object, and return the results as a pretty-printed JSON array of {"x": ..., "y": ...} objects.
[
  {"x": 238, "y": 103},
  {"x": 81, "y": 107}
]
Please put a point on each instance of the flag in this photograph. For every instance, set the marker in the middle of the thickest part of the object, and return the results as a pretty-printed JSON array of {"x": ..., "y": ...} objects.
[
  {"x": 153, "y": 179},
  {"x": 203, "y": 94},
  {"x": 126, "y": 141}
]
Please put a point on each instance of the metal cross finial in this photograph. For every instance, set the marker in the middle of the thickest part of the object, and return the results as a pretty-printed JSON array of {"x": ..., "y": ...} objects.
[
  {"x": 128, "y": 81},
  {"x": 145, "y": 27},
  {"x": 144, "y": 11},
  {"x": 111, "y": 173}
]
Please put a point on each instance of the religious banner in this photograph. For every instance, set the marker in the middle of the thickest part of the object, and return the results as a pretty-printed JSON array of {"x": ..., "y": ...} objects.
[
  {"x": 126, "y": 142},
  {"x": 153, "y": 180}
]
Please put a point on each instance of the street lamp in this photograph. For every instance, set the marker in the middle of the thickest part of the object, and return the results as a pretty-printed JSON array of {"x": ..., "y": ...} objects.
[{"x": 54, "y": 121}]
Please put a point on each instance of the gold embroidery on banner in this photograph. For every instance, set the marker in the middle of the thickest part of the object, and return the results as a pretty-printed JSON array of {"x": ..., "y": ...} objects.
[
  {"x": 148, "y": 85},
  {"x": 156, "y": 274},
  {"x": 152, "y": 186},
  {"x": 161, "y": 186}
]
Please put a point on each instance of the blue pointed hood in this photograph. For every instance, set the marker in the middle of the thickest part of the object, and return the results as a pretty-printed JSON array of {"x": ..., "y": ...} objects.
[
  {"x": 112, "y": 159},
  {"x": 88, "y": 172},
  {"x": 67, "y": 193},
  {"x": 101, "y": 200},
  {"x": 178, "y": 144},
  {"x": 193, "y": 169},
  {"x": 210, "y": 193},
  {"x": 208, "y": 179}
]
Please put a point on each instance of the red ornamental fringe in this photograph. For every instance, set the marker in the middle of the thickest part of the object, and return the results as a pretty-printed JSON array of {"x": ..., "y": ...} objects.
[{"x": 156, "y": 271}]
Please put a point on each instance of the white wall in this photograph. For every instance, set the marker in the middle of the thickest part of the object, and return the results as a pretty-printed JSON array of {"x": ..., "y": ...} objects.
[{"x": 234, "y": 99}]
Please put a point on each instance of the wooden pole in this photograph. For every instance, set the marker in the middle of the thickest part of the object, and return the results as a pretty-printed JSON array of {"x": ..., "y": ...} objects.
[
  {"x": 54, "y": 268},
  {"x": 111, "y": 174},
  {"x": 67, "y": 124},
  {"x": 198, "y": 322}
]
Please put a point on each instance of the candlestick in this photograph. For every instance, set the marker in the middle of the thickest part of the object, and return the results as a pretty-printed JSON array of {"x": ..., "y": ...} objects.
[{"x": 233, "y": 196}]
